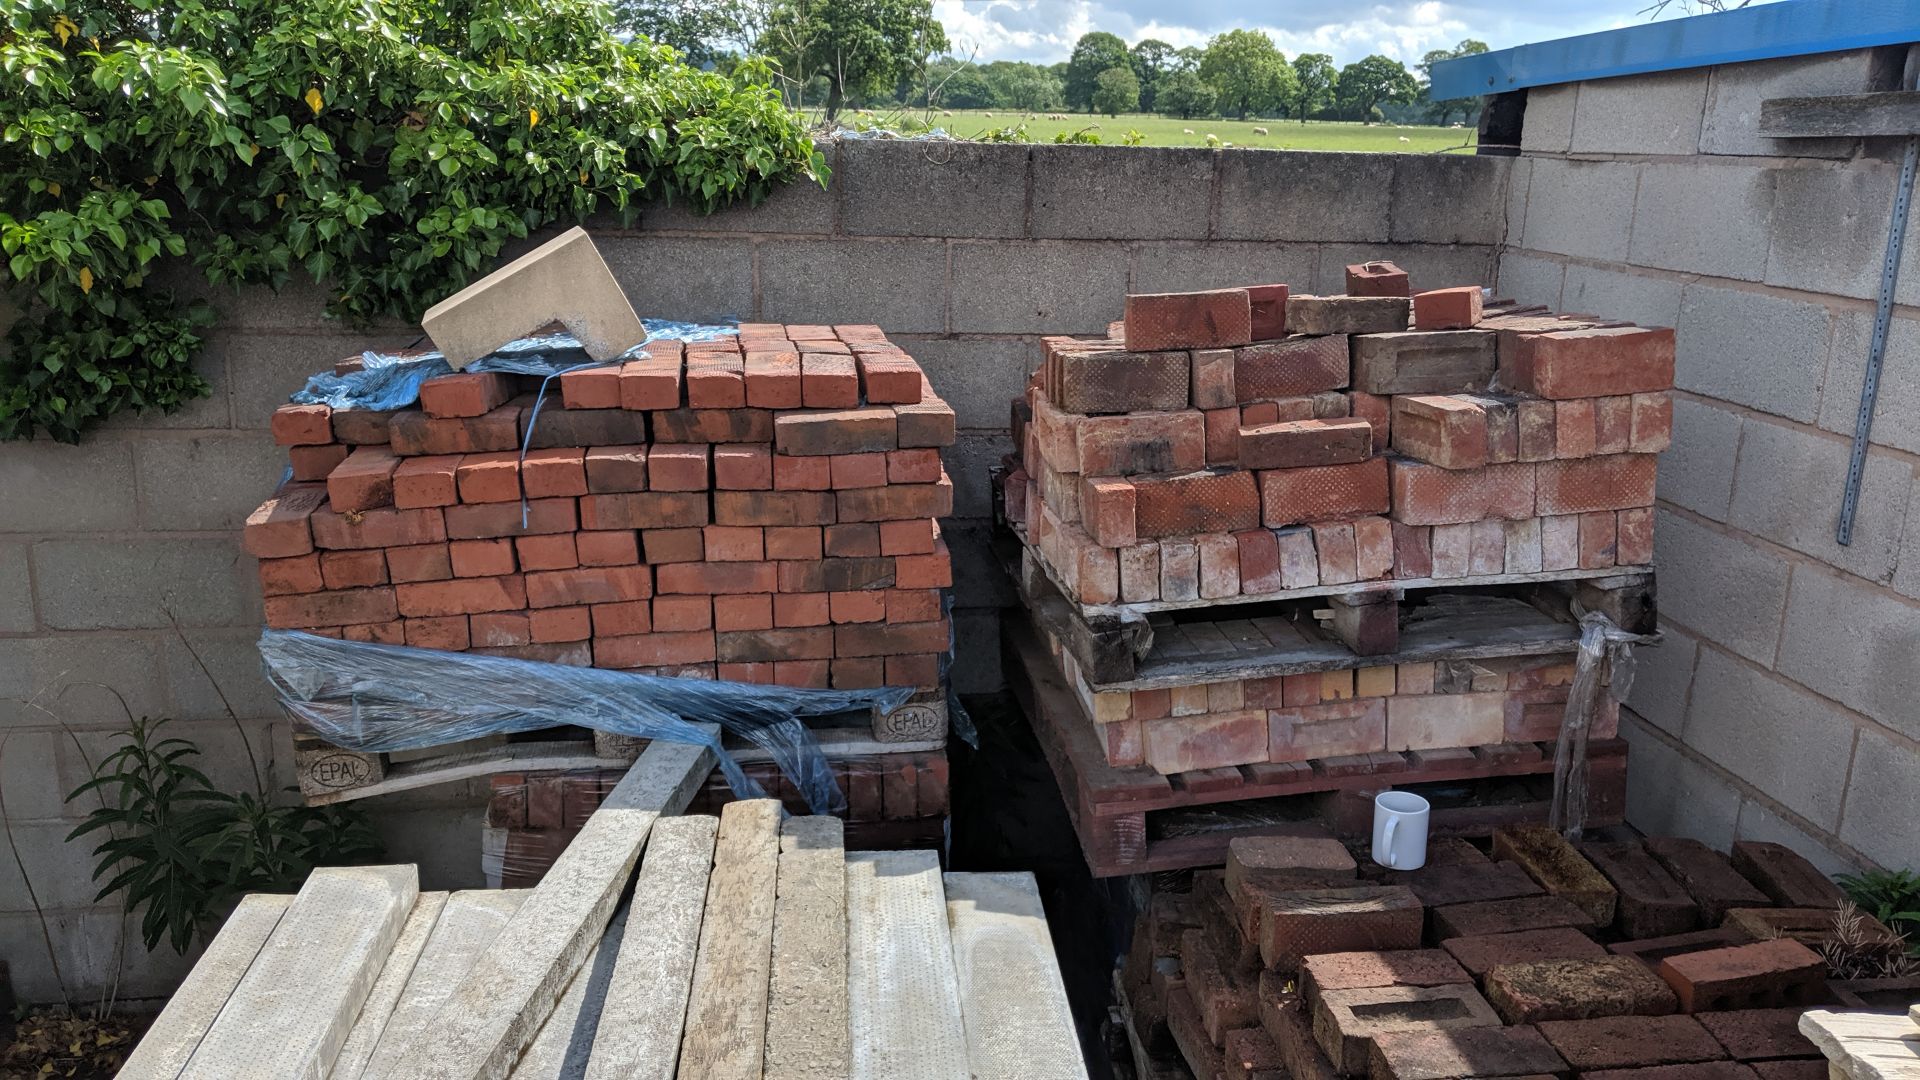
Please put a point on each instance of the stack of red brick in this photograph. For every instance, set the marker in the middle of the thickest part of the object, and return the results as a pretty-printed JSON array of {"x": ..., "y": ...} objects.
[
  {"x": 760, "y": 508},
  {"x": 1247, "y": 442},
  {"x": 1621, "y": 960}
]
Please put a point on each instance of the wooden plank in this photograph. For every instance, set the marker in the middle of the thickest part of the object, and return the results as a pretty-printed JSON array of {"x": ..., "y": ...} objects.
[
  {"x": 565, "y": 1042},
  {"x": 387, "y": 990},
  {"x": 727, "y": 1006},
  {"x": 645, "y": 1015},
  {"x": 177, "y": 1031},
  {"x": 1013, "y": 1003},
  {"x": 513, "y": 757},
  {"x": 292, "y": 1010},
  {"x": 468, "y": 924},
  {"x": 807, "y": 1034},
  {"x": 500, "y": 1005},
  {"x": 1892, "y": 112},
  {"x": 903, "y": 997}
]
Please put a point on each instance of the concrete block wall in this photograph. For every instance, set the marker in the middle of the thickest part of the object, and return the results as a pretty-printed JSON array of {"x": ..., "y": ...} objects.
[
  {"x": 119, "y": 554},
  {"x": 1783, "y": 704}
]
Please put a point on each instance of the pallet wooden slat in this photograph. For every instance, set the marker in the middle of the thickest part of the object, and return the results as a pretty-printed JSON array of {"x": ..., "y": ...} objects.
[
  {"x": 903, "y": 998},
  {"x": 726, "y": 1029}
]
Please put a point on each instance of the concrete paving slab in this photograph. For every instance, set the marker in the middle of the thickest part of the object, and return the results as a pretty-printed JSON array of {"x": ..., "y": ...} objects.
[
  {"x": 903, "y": 996},
  {"x": 177, "y": 1031},
  {"x": 468, "y": 924},
  {"x": 565, "y": 1043},
  {"x": 387, "y": 990},
  {"x": 1013, "y": 1003},
  {"x": 807, "y": 1036}
]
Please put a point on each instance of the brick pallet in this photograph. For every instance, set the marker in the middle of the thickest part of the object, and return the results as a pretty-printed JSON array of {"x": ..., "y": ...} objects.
[
  {"x": 1299, "y": 959},
  {"x": 760, "y": 509}
]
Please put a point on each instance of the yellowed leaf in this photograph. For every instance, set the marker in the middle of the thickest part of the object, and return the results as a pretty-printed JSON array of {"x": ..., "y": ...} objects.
[
  {"x": 53, "y": 188},
  {"x": 533, "y": 118},
  {"x": 280, "y": 200},
  {"x": 86, "y": 286},
  {"x": 314, "y": 100},
  {"x": 64, "y": 28}
]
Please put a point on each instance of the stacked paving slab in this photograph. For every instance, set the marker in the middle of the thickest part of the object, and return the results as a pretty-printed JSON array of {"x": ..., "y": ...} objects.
[
  {"x": 760, "y": 508},
  {"x": 1625, "y": 959}
]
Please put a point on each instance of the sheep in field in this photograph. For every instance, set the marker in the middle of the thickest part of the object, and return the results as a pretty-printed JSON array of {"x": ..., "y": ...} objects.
[{"x": 1259, "y": 131}]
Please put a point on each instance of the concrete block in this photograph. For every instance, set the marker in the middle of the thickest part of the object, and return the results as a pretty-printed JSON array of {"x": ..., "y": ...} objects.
[
  {"x": 1696, "y": 471},
  {"x": 263, "y": 368},
  {"x": 1761, "y": 351},
  {"x": 705, "y": 279},
  {"x": 961, "y": 189},
  {"x": 1671, "y": 792},
  {"x": 901, "y": 285},
  {"x": 1548, "y": 124},
  {"x": 565, "y": 1043},
  {"x": 467, "y": 923},
  {"x": 1772, "y": 734},
  {"x": 1276, "y": 195},
  {"x": 225, "y": 673},
  {"x": 1855, "y": 644},
  {"x": 205, "y": 482},
  {"x": 16, "y": 590},
  {"x": 967, "y": 461},
  {"x": 300, "y": 304},
  {"x": 1188, "y": 267},
  {"x": 1719, "y": 587},
  {"x": 976, "y": 375},
  {"x": 1530, "y": 280},
  {"x": 1018, "y": 1021},
  {"x": 1427, "y": 266},
  {"x": 1519, "y": 190},
  {"x": 1615, "y": 294},
  {"x": 144, "y": 583},
  {"x": 1449, "y": 199},
  {"x": 1883, "y": 793},
  {"x": 801, "y": 206},
  {"x": 1735, "y": 92},
  {"x": 1662, "y": 678},
  {"x": 41, "y": 475},
  {"x": 727, "y": 1004},
  {"x": 76, "y": 673},
  {"x": 389, "y": 990},
  {"x": 1581, "y": 207},
  {"x": 1703, "y": 219},
  {"x": 1050, "y": 287},
  {"x": 1830, "y": 231},
  {"x": 1785, "y": 491},
  {"x": 1896, "y": 415},
  {"x": 563, "y": 280},
  {"x": 1098, "y": 193},
  {"x": 807, "y": 987},
  {"x": 1641, "y": 114}
]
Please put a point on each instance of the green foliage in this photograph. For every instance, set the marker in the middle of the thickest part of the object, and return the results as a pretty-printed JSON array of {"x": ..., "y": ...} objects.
[
  {"x": 861, "y": 47},
  {"x": 1012, "y": 133},
  {"x": 1133, "y": 137},
  {"x": 1892, "y": 896},
  {"x": 1365, "y": 84},
  {"x": 391, "y": 148},
  {"x": 1092, "y": 54},
  {"x": 1186, "y": 95},
  {"x": 1313, "y": 81},
  {"x": 1086, "y": 136},
  {"x": 1023, "y": 86},
  {"x": 699, "y": 29},
  {"x": 1115, "y": 91},
  {"x": 180, "y": 851},
  {"x": 1248, "y": 72},
  {"x": 1152, "y": 59},
  {"x": 1003, "y": 84}
]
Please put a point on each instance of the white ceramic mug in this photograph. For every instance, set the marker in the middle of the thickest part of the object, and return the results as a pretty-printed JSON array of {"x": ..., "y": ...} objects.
[{"x": 1400, "y": 830}]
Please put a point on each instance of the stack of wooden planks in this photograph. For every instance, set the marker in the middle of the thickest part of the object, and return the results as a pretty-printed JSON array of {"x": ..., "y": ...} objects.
[{"x": 752, "y": 945}]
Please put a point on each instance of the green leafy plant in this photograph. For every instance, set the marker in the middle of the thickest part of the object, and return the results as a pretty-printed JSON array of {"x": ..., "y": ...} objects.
[
  {"x": 1133, "y": 137},
  {"x": 1892, "y": 896},
  {"x": 390, "y": 148},
  {"x": 180, "y": 850},
  {"x": 1085, "y": 136},
  {"x": 1011, "y": 133}
]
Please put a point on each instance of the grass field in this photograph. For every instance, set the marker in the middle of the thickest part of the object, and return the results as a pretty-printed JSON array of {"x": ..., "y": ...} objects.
[{"x": 1163, "y": 131}]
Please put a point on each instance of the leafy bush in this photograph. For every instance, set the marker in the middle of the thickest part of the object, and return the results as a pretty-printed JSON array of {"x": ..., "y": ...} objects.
[
  {"x": 181, "y": 851},
  {"x": 391, "y": 148}
]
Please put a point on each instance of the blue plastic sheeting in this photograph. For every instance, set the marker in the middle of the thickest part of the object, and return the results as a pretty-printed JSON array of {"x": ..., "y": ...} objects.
[
  {"x": 386, "y": 382},
  {"x": 1792, "y": 28},
  {"x": 380, "y": 698}
]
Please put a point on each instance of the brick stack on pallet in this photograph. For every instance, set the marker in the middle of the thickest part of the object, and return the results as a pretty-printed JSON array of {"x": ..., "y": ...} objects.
[
  {"x": 759, "y": 508},
  {"x": 1260, "y": 533},
  {"x": 1624, "y": 959}
]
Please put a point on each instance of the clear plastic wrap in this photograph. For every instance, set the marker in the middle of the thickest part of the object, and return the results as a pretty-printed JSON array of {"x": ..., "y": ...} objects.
[
  {"x": 1603, "y": 665},
  {"x": 381, "y": 698}
]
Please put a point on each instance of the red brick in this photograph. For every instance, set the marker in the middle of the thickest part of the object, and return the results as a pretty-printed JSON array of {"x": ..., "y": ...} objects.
[
  {"x": 664, "y": 546},
  {"x": 842, "y": 431},
  {"x": 1447, "y": 309},
  {"x": 617, "y": 547},
  {"x": 677, "y": 613},
  {"x": 773, "y": 379},
  {"x": 801, "y": 609},
  {"x": 930, "y": 423},
  {"x": 1259, "y": 561},
  {"x": 852, "y": 607},
  {"x": 1296, "y": 444},
  {"x": 1576, "y": 431},
  {"x": 913, "y": 605},
  {"x": 282, "y": 526},
  {"x": 386, "y": 633},
  {"x": 895, "y": 502},
  {"x": 481, "y": 558},
  {"x": 852, "y": 541},
  {"x": 1212, "y": 378},
  {"x": 560, "y": 624},
  {"x": 802, "y": 473},
  {"x": 556, "y": 472},
  {"x": 1759, "y": 1034},
  {"x": 933, "y": 571},
  {"x": 719, "y": 578},
  {"x": 363, "y": 481},
  {"x": 1617, "y": 482},
  {"x": 311, "y": 463},
  {"x": 712, "y": 426},
  {"x": 1144, "y": 442},
  {"x": 415, "y": 434},
  {"x": 742, "y": 468},
  {"x": 1296, "y": 496},
  {"x": 623, "y": 618},
  {"x": 1107, "y": 511},
  {"x": 1485, "y": 952},
  {"x": 550, "y": 552},
  {"x": 1617, "y": 1042},
  {"x": 420, "y": 562},
  {"x": 1196, "y": 502},
  {"x": 1777, "y": 972},
  {"x": 753, "y": 611},
  {"x": 889, "y": 639},
  {"x": 911, "y": 537},
  {"x": 302, "y": 425},
  {"x": 1429, "y": 495},
  {"x": 1633, "y": 537},
  {"x": 1651, "y": 423},
  {"x": 1267, "y": 305},
  {"x": 1290, "y": 367},
  {"x": 811, "y": 674},
  {"x": 919, "y": 671},
  {"x": 464, "y": 394},
  {"x": 353, "y": 569},
  {"x": 773, "y": 508},
  {"x": 377, "y": 528},
  {"x": 734, "y": 543},
  {"x": 1612, "y": 424},
  {"x": 1597, "y": 540},
  {"x": 426, "y": 481},
  {"x": 1195, "y": 320},
  {"x": 859, "y": 673},
  {"x": 793, "y": 542},
  {"x": 1377, "y": 278},
  {"x": 654, "y": 650},
  {"x": 1223, "y": 437},
  {"x": 1219, "y": 565},
  {"x": 644, "y": 510},
  {"x": 616, "y": 468},
  {"x": 1333, "y": 543},
  {"x": 1412, "y": 551},
  {"x": 1440, "y": 429},
  {"x": 292, "y": 575},
  {"x": 1377, "y": 411},
  {"x": 1373, "y": 548},
  {"x": 1596, "y": 362},
  {"x": 591, "y": 388},
  {"x": 1538, "y": 420},
  {"x": 469, "y": 522},
  {"x": 921, "y": 466},
  {"x": 794, "y": 643},
  {"x": 652, "y": 383},
  {"x": 462, "y": 596},
  {"x": 716, "y": 382},
  {"x": 678, "y": 468},
  {"x": 858, "y": 470},
  {"x": 828, "y": 381},
  {"x": 760, "y": 673},
  {"x": 588, "y": 585},
  {"x": 489, "y": 478},
  {"x": 889, "y": 377},
  {"x": 500, "y": 629},
  {"x": 361, "y": 427},
  {"x": 324, "y": 609},
  {"x": 446, "y": 632}
]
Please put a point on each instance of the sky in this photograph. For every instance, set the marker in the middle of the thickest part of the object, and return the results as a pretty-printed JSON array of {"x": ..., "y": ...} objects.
[{"x": 1043, "y": 31}]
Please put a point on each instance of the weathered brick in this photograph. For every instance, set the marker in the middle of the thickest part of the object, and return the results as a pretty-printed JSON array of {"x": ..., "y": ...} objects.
[
  {"x": 1652, "y": 903},
  {"x": 1508, "y": 917},
  {"x": 413, "y": 433},
  {"x": 361, "y": 427},
  {"x": 281, "y": 526},
  {"x": 1345, "y": 1022},
  {"x": 381, "y": 528},
  {"x": 461, "y": 596},
  {"x": 645, "y": 510},
  {"x": 846, "y": 431},
  {"x": 1421, "y": 362},
  {"x": 1368, "y": 970},
  {"x": 1267, "y": 305},
  {"x": 1429, "y": 495},
  {"x": 1577, "y": 990},
  {"x": 1650, "y": 422},
  {"x": 1296, "y": 496},
  {"x": 489, "y": 478},
  {"x": 1093, "y": 381},
  {"x": 1559, "y": 869},
  {"x": 1346, "y": 314},
  {"x": 708, "y": 426},
  {"x": 1107, "y": 508},
  {"x": 1212, "y": 378},
  {"x": 1195, "y": 320},
  {"x": 1595, "y": 362},
  {"x": 1182, "y": 744},
  {"x": 1334, "y": 729},
  {"x": 1462, "y": 883},
  {"x": 588, "y": 585},
  {"x": 1707, "y": 876},
  {"x": 465, "y": 393},
  {"x": 348, "y": 607},
  {"x": 1464, "y": 1054},
  {"x": 1759, "y": 1034},
  {"x": 654, "y": 650},
  {"x": 1290, "y": 367},
  {"x": 1617, "y": 1042},
  {"x": 1377, "y": 278},
  {"x": 1371, "y": 918},
  {"x": 315, "y": 462},
  {"x": 1144, "y": 442},
  {"x": 1775, "y": 972},
  {"x": 1304, "y": 443},
  {"x": 1485, "y": 952},
  {"x": 1447, "y": 309},
  {"x": 1784, "y": 875},
  {"x": 1187, "y": 504},
  {"x": 302, "y": 425}
]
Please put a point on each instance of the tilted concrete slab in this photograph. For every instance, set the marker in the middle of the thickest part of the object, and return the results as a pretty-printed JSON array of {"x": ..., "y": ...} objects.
[
  {"x": 807, "y": 1037},
  {"x": 565, "y": 1042},
  {"x": 727, "y": 1006},
  {"x": 468, "y": 925},
  {"x": 387, "y": 990},
  {"x": 645, "y": 1014},
  {"x": 498, "y": 1008},
  {"x": 293, "y": 1009},
  {"x": 177, "y": 1031},
  {"x": 1013, "y": 1002},
  {"x": 563, "y": 280},
  {"x": 903, "y": 998},
  {"x": 1864, "y": 1045}
]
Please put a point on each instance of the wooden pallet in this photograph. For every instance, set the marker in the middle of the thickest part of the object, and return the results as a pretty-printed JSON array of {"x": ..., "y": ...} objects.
[
  {"x": 1123, "y": 649},
  {"x": 1135, "y": 820}
]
